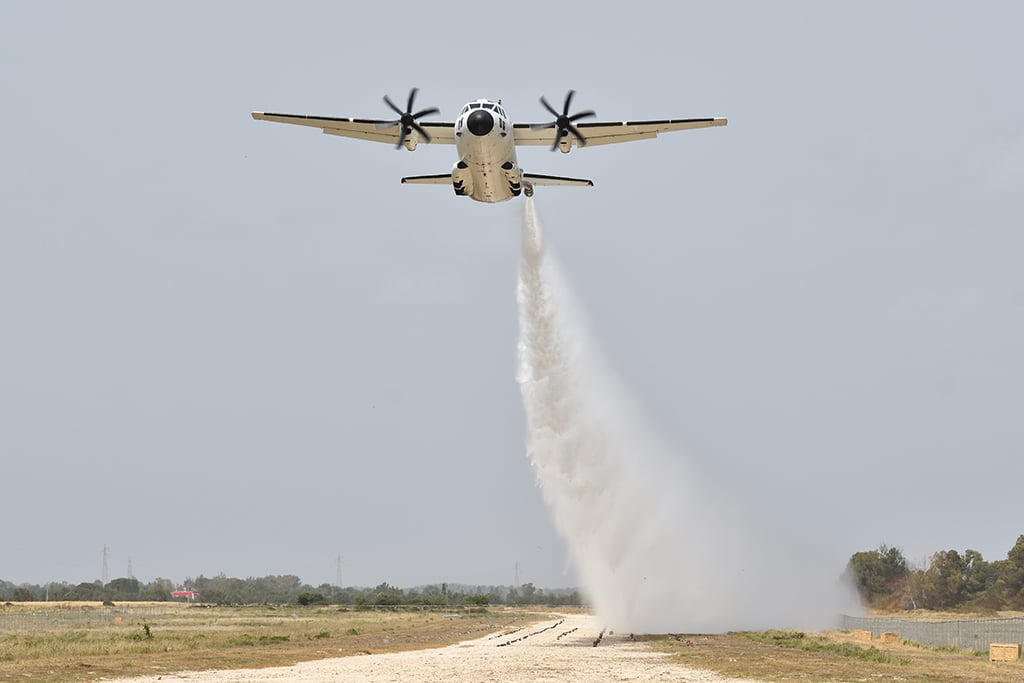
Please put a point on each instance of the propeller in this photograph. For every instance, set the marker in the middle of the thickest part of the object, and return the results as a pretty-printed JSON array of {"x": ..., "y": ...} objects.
[
  {"x": 407, "y": 119},
  {"x": 563, "y": 122}
]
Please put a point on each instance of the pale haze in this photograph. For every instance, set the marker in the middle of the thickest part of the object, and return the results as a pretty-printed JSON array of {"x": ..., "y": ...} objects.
[{"x": 230, "y": 346}]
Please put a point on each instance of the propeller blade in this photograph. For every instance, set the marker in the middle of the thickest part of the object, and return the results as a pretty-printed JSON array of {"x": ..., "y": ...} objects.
[
  {"x": 579, "y": 136},
  {"x": 412, "y": 96},
  {"x": 568, "y": 102},
  {"x": 582, "y": 115},
  {"x": 424, "y": 135},
  {"x": 549, "y": 107},
  {"x": 401, "y": 138},
  {"x": 387, "y": 101},
  {"x": 558, "y": 138},
  {"x": 426, "y": 112}
]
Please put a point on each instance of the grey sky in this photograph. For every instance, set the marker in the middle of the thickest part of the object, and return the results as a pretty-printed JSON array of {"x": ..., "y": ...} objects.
[{"x": 240, "y": 347}]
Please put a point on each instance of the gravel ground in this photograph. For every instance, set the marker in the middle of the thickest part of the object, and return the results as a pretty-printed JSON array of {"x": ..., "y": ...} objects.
[{"x": 556, "y": 650}]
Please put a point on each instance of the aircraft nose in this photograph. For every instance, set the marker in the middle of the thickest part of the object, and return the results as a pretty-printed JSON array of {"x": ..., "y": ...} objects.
[{"x": 480, "y": 122}]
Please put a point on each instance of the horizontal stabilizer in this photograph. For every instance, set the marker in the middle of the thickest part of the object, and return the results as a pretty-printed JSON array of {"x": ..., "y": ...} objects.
[
  {"x": 538, "y": 179},
  {"x": 439, "y": 179}
]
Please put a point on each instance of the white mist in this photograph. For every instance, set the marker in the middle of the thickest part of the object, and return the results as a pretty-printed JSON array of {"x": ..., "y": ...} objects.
[{"x": 657, "y": 547}]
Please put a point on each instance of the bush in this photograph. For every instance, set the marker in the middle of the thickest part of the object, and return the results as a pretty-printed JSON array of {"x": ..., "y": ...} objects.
[{"x": 311, "y": 598}]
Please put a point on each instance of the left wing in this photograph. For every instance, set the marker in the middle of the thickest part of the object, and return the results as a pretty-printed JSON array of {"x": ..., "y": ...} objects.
[
  {"x": 364, "y": 129},
  {"x": 607, "y": 132}
]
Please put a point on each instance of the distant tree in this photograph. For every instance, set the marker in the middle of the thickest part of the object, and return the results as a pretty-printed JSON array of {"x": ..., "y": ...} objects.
[
  {"x": 979, "y": 576},
  {"x": 1010, "y": 577},
  {"x": 1016, "y": 553},
  {"x": 944, "y": 581},
  {"x": 87, "y": 591},
  {"x": 216, "y": 596},
  {"x": 573, "y": 598},
  {"x": 23, "y": 593},
  {"x": 311, "y": 598},
  {"x": 434, "y": 594},
  {"x": 385, "y": 594},
  {"x": 124, "y": 589},
  {"x": 346, "y": 596},
  {"x": 159, "y": 589},
  {"x": 879, "y": 575}
]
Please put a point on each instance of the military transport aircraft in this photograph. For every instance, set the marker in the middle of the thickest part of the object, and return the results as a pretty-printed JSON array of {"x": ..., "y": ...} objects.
[{"x": 485, "y": 138}]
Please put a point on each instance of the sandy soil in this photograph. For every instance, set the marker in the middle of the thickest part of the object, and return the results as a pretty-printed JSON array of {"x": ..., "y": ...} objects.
[{"x": 555, "y": 650}]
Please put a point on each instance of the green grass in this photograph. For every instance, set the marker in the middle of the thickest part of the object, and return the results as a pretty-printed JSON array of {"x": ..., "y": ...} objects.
[{"x": 801, "y": 641}]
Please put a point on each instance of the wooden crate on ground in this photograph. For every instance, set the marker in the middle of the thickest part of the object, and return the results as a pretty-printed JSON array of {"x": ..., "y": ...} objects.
[
  {"x": 1003, "y": 652},
  {"x": 890, "y": 637},
  {"x": 860, "y": 634}
]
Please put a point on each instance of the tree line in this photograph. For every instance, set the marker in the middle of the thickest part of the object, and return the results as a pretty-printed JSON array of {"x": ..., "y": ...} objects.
[
  {"x": 951, "y": 580},
  {"x": 288, "y": 589}
]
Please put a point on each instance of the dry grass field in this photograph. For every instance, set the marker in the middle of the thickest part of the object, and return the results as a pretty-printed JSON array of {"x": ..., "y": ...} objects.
[
  {"x": 85, "y": 641},
  {"x": 79, "y": 642},
  {"x": 789, "y": 657}
]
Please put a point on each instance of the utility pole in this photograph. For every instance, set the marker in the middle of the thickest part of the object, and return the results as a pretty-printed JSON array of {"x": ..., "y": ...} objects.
[
  {"x": 337, "y": 576},
  {"x": 104, "y": 576}
]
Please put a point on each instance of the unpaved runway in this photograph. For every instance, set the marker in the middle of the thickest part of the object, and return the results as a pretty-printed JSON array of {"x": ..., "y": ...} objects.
[{"x": 555, "y": 650}]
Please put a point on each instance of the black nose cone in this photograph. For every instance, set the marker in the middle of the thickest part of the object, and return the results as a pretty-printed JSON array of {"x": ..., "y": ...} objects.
[{"x": 480, "y": 122}]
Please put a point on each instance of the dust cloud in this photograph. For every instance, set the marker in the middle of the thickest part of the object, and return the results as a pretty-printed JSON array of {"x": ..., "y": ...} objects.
[{"x": 657, "y": 546}]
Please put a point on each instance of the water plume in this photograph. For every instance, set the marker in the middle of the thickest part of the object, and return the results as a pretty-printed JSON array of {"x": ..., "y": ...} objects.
[{"x": 657, "y": 548}]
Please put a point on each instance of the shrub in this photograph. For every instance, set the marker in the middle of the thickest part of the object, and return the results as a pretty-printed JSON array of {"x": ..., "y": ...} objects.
[{"x": 311, "y": 598}]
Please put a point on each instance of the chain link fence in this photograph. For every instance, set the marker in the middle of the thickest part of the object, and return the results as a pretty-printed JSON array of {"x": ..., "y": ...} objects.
[
  {"x": 79, "y": 617},
  {"x": 964, "y": 634}
]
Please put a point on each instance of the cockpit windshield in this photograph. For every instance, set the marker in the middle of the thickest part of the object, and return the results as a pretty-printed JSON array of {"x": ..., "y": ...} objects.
[{"x": 484, "y": 105}]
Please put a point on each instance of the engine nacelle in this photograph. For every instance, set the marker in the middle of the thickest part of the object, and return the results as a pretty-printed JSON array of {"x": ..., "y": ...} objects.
[
  {"x": 514, "y": 177},
  {"x": 462, "y": 179},
  {"x": 565, "y": 144},
  {"x": 411, "y": 138}
]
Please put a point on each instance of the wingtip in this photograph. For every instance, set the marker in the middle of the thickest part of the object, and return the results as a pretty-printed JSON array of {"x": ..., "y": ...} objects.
[
  {"x": 258, "y": 115},
  {"x": 721, "y": 121}
]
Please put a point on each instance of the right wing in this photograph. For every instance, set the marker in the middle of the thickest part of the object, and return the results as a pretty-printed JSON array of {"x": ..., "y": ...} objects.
[{"x": 441, "y": 133}]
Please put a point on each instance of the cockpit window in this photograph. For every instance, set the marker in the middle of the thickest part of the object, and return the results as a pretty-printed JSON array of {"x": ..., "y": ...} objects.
[{"x": 475, "y": 105}]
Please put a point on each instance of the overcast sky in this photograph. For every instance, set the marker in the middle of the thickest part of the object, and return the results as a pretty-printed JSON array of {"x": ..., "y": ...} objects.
[{"x": 242, "y": 347}]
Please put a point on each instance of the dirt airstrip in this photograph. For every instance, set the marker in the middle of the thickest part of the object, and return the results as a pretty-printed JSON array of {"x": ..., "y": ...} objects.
[{"x": 561, "y": 649}]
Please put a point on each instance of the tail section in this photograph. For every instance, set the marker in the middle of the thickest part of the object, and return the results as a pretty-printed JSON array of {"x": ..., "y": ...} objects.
[
  {"x": 462, "y": 182},
  {"x": 538, "y": 179},
  {"x": 439, "y": 179}
]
